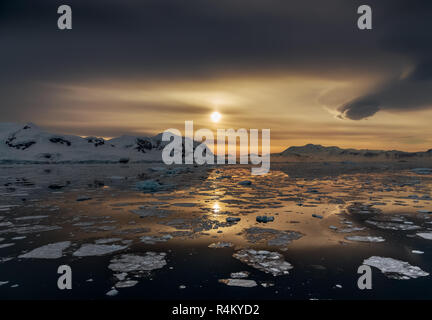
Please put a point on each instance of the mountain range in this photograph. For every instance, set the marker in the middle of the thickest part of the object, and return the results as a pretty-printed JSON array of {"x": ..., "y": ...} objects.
[{"x": 28, "y": 143}]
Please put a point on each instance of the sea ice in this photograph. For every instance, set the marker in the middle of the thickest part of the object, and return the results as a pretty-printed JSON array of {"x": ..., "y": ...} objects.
[
  {"x": 365, "y": 238},
  {"x": 239, "y": 283},
  {"x": 239, "y": 275},
  {"x": 395, "y": 269},
  {"x": 220, "y": 245},
  {"x": 49, "y": 251},
  {"x": 135, "y": 263},
  {"x": 97, "y": 249},
  {"x": 425, "y": 235},
  {"x": 266, "y": 261}
]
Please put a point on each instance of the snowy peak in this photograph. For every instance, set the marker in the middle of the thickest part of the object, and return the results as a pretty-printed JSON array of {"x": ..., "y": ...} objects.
[
  {"x": 29, "y": 143},
  {"x": 319, "y": 152}
]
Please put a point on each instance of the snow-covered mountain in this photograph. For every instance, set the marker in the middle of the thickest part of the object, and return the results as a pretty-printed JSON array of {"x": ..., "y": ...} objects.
[
  {"x": 29, "y": 143},
  {"x": 319, "y": 152}
]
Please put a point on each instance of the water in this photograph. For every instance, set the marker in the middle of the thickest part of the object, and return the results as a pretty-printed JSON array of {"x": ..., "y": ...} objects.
[{"x": 192, "y": 209}]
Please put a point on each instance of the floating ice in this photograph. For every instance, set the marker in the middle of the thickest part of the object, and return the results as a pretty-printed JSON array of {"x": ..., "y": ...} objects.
[
  {"x": 30, "y": 229},
  {"x": 365, "y": 238},
  {"x": 97, "y": 249},
  {"x": 49, "y": 251},
  {"x": 239, "y": 275},
  {"x": 135, "y": 263},
  {"x": 112, "y": 293},
  {"x": 395, "y": 269},
  {"x": 264, "y": 219},
  {"x": 393, "y": 226},
  {"x": 216, "y": 245},
  {"x": 126, "y": 284},
  {"x": 108, "y": 240},
  {"x": 417, "y": 251},
  {"x": 5, "y": 245},
  {"x": 425, "y": 235},
  {"x": 266, "y": 261},
  {"x": 239, "y": 283},
  {"x": 154, "y": 239},
  {"x": 148, "y": 186},
  {"x": 422, "y": 170},
  {"x": 30, "y": 217}
]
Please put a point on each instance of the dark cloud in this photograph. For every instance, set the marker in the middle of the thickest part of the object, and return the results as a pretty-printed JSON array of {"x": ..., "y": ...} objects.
[
  {"x": 162, "y": 40},
  {"x": 411, "y": 93},
  {"x": 406, "y": 32}
]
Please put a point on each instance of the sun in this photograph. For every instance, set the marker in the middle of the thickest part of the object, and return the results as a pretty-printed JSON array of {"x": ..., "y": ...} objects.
[{"x": 215, "y": 116}]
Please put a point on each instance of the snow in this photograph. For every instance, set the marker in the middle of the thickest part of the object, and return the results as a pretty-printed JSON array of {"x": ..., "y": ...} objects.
[
  {"x": 29, "y": 143},
  {"x": 49, "y": 251}
]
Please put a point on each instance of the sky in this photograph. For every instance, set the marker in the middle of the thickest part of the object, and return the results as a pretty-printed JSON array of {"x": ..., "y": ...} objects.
[{"x": 300, "y": 68}]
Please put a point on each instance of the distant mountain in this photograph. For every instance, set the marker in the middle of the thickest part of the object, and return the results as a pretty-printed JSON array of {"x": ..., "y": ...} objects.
[
  {"x": 319, "y": 152},
  {"x": 29, "y": 143}
]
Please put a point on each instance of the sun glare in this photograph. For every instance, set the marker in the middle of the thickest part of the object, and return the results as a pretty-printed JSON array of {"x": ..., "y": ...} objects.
[{"x": 216, "y": 116}]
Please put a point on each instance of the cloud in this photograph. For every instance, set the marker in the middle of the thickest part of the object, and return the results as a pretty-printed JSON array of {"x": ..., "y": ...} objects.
[{"x": 410, "y": 93}]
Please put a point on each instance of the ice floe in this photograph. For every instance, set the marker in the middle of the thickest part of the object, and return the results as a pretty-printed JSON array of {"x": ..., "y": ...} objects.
[
  {"x": 239, "y": 283},
  {"x": 90, "y": 249},
  {"x": 216, "y": 245},
  {"x": 49, "y": 251},
  {"x": 263, "y": 260},
  {"x": 425, "y": 235},
  {"x": 395, "y": 269},
  {"x": 239, "y": 275},
  {"x": 135, "y": 263},
  {"x": 365, "y": 238}
]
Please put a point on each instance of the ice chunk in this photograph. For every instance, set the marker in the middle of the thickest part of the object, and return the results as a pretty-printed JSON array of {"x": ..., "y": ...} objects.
[
  {"x": 97, "y": 249},
  {"x": 425, "y": 235},
  {"x": 395, "y": 269},
  {"x": 30, "y": 217},
  {"x": 215, "y": 245},
  {"x": 239, "y": 283},
  {"x": 49, "y": 251},
  {"x": 112, "y": 293},
  {"x": 264, "y": 219},
  {"x": 266, "y": 261},
  {"x": 5, "y": 245},
  {"x": 239, "y": 275},
  {"x": 126, "y": 284},
  {"x": 148, "y": 186},
  {"x": 365, "y": 238},
  {"x": 134, "y": 263}
]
